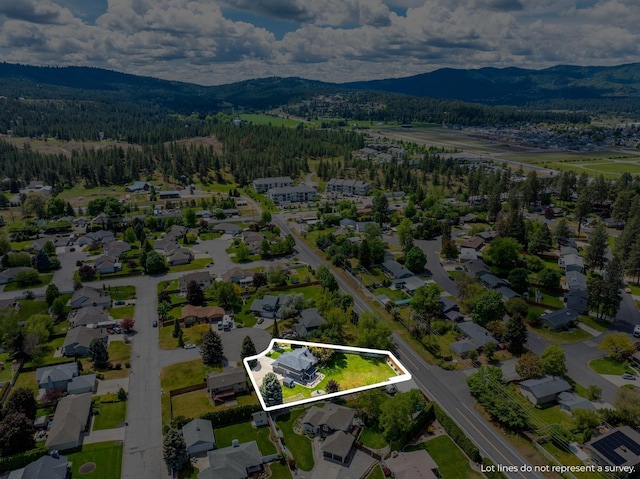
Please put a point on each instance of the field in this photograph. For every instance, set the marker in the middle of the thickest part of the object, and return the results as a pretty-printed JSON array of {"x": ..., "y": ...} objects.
[{"x": 265, "y": 119}]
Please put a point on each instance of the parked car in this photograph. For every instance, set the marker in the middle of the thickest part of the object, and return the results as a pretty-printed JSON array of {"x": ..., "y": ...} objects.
[
  {"x": 260, "y": 320},
  {"x": 118, "y": 303},
  {"x": 629, "y": 376},
  {"x": 189, "y": 346},
  {"x": 154, "y": 324},
  {"x": 636, "y": 331},
  {"x": 72, "y": 248}
]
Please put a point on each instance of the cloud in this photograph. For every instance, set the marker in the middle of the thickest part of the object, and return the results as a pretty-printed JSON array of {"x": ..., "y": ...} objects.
[{"x": 34, "y": 11}]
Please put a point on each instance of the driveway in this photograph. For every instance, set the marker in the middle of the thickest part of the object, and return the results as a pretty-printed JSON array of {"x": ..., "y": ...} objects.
[{"x": 112, "y": 386}]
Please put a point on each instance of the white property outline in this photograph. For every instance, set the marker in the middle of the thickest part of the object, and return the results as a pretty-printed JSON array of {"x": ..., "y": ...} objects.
[{"x": 404, "y": 376}]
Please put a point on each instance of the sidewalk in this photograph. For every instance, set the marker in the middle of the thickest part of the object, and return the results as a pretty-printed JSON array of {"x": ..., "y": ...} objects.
[
  {"x": 105, "y": 435},
  {"x": 588, "y": 329}
]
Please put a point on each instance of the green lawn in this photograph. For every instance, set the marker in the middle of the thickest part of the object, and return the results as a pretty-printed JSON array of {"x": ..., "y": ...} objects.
[
  {"x": 376, "y": 473},
  {"x": 119, "y": 352},
  {"x": 300, "y": 446},
  {"x": 392, "y": 294},
  {"x": 264, "y": 119},
  {"x": 122, "y": 312},
  {"x": 567, "y": 458},
  {"x": 168, "y": 285},
  {"x": 185, "y": 374},
  {"x": 372, "y": 439},
  {"x": 107, "y": 457},
  {"x": 349, "y": 371},
  {"x": 188, "y": 472},
  {"x": 608, "y": 366},
  {"x": 197, "y": 403},
  {"x": 597, "y": 324},
  {"x": 122, "y": 293},
  {"x": 194, "y": 265},
  {"x": 189, "y": 335},
  {"x": 27, "y": 380},
  {"x": 6, "y": 373},
  {"x": 561, "y": 337},
  {"x": 31, "y": 307},
  {"x": 245, "y": 432},
  {"x": 45, "y": 279},
  {"x": 48, "y": 350},
  {"x": 110, "y": 415},
  {"x": 279, "y": 471},
  {"x": 452, "y": 463}
]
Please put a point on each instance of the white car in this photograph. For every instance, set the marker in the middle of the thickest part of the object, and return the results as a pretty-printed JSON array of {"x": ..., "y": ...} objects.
[
  {"x": 636, "y": 331},
  {"x": 189, "y": 346}
]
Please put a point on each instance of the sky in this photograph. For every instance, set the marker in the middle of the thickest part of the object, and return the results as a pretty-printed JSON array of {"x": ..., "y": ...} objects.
[{"x": 213, "y": 42}]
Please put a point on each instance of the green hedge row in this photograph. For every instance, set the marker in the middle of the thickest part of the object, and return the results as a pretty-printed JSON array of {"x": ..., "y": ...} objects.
[
  {"x": 426, "y": 416},
  {"x": 457, "y": 435},
  {"x": 21, "y": 460},
  {"x": 231, "y": 416}
]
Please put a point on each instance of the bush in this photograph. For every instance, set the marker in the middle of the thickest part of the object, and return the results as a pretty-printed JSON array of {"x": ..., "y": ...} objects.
[
  {"x": 18, "y": 461},
  {"x": 231, "y": 416},
  {"x": 457, "y": 435}
]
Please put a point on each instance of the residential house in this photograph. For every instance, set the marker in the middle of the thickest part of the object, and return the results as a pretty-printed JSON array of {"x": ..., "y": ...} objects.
[
  {"x": 395, "y": 269},
  {"x": 268, "y": 306},
  {"x": 203, "y": 278},
  {"x": 474, "y": 243},
  {"x": 117, "y": 247},
  {"x": 573, "y": 262},
  {"x": 9, "y": 274},
  {"x": 292, "y": 194},
  {"x": 337, "y": 447},
  {"x": 198, "y": 435},
  {"x": 487, "y": 235},
  {"x": 56, "y": 376},
  {"x": 259, "y": 419},
  {"x": 567, "y": 250},
  {"x": 476, "y": 335},
  {"x": 69, "y": 422},
  {"x": 618, "y": 447},
  {"x": 491, "y": 281},
  {"x": 310, "y": 320},
  {"x": 507, "y": 293},
  {"x": 138, "y": 187},
  {"x": 101, "y": 237},
  {"x": 409, "y": 284},
  {"x": 227, "y": 228},
  {"x": 239, "y": 461},
  {"x": 477, "y": 268},
  {"x": 570, "y": 402},
  {"x": 89, "y": 317},
  {"x": 224, "y": 386},
  {"x": 88, "y": 296},
  {"x": 106, "y": 264},
  {"x": 578, "y": 300},
  {"x": 169, "y": 194},
  {"x": 252, "y": 240},
  {"x": 180, "y": 256},
  {"x": 237, "y": 275},
  {"x": 265, "y": 184},
  {"x": 166, "y": 246},
  {"x": 468, "y": 254},
  {"x": 410, "y": 465},
  {"x": 543, "y": 390},
  {"x": 560, "y": 318},
  {"x": 298, "y": 365},
  {"x": 326, "y": 420},
  {"x": 576, "y": 280},
  {"x": 77, "y": 341},
  {"x": 87, "y": 383},
  {"x": 46, "y": 467},
  {"x": 201, "y": 314}
]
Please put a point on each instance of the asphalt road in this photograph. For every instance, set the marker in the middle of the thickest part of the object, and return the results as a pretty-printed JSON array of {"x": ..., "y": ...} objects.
[{"x": 447, "y": 389}]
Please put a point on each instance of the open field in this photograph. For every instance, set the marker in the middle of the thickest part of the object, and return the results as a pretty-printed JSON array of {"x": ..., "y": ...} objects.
[{"x": 265, "y": 119}]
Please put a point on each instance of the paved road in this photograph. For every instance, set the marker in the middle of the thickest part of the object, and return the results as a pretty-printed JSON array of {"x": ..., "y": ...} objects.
[{"x": 449, "y": 390}]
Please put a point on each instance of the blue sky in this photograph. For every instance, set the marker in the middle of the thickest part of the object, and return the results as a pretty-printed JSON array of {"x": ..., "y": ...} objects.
[{"x": 221, "y": 41}]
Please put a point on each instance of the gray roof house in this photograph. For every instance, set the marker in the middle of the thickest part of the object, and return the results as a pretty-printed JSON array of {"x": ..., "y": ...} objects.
[
  {"x": 578, "y": 300},
  {"x": 88, "y": 296},
  {"x": 235, "y": 462},
  {"x": 543, "y": 390},
  {"x": 570, "y": 402},
  {"x": 198, "y": 434},
  {"x": 298, "y": 364},
  {"x": 268, "y": 306},
  {"x": 337, "y": 447},
  {"x": 259, "y": 419},
  {"x": 9, "y": 274},
  {"x": 46, "y": 467},
  {"x": 292, "y": 194},
  {"x": 89, "y": 316},
  {"x": 396, "y": 270},
  {"x": 86, "y": 383},
  {"x": 559, "y": 319},
  {"x": 226, "y": 385},
  {"x": 263, "y": 184},
  {"x": 491, "y": 281},
  {"x": 309, "y": 320},
  {"x": 56, "y": 376},
  {"x": 409, "y": 465},
  {"x": 78, "y": 340},
  {"x": 618, "y": 447},
  {"x": 477, "y": 336},
  {"x": 203, "y": 278},
  {"x": 69, "y": 422},
  {"x": 477, "y": 267},
  {"x": 576, "y": 280},
  {"x": 227, "y": 228},
  {"x": 328, "y": 419},
  {"x": 573, "y": 262}
]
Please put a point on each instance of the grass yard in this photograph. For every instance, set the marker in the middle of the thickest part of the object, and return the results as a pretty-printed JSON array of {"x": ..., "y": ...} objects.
[
  {"x": 279, "y": 471},
  {"x": 376, "y": 473},
  {"x": 45, "y": 279},
  {"x": 110, "y": 415},
  {"x": 349, "y": 371},
  {"x": 48, "y": 350},
  {"x": 194, "y": 265},
  {"x": 566, "y": 458},
  {"x": 31, "y": 307},
  {"x": 245, "y": 432},
  {"x": 27, "y": 380},
  {"x": 119, "y": 352},
  {"x": 122, "y": 312},
  {"x": 122, "y": 293},
  {"x": 189, "y": 335},
  {"x": 597, "y": 324},
  {"x": 547, "y": 415},
  {"x": 372, "y": 439},
  {"x": 185, "y": 374},
  {"x": 300, "y": 446},
  {"x": 608, "y": 366},
  {"x": 197, "y": 403},
  {"x": 264, "y": 119},
  {"x": 6, "y": 373},
  {"x": 107, "y": 457},
  {"x": 452, "y": 463},
  {"x": 574, "y": 335},
  {"x": 168, "y": 285},
  {"x": 188, "y": 472},
  {"x": 392, "y": 294}
]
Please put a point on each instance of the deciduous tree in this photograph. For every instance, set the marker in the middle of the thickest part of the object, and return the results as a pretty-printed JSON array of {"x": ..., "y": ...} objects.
[
  {"x": 22, "y": 400},
  {"x": 553, "y": 361},
  {"x": 529, "y": 366},
  {"x": 195, "y": 293},
  {"x": 489, "y": 306},
  {"x": 16, "y": 434},
  {"x": 373, "y": 333},
  {"x": 617, "y": 345},
  {"x": 415, "y": 260},
  {"x": 515, "y": 335}
]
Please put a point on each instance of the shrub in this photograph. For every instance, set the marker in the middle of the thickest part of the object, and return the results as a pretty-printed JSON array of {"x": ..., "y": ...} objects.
[{"x": 457, "y": 435}]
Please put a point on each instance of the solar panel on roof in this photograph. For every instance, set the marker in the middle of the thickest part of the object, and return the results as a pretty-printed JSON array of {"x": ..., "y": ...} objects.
[{"x": 607, "y": 446}]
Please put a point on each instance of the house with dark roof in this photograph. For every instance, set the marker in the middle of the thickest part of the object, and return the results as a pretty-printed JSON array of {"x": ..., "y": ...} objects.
[
  {"x": 268, "y": 306},
  {"x": 576, "y": 280},
  {"x": 138, "y": 186},
  {"x": 474, "y": 243},
  {"x": 491, "y": 281},
  {"x": 310, "y": 320},
  {"x": 560, "y": 318},
  {"x": 90, "y": 316},
  {"x": 198, "y": 435},
  {"x": 46, "y": 467},
  {"x": 476, "y": 268},
  {"x": 409, "y": 284},
  {"x": 203, "y": 278},
  {"x": 299, "y": 365},
  {"x": 570, "y": 402},
  {"x": 326, "y": 420},
  {"x": 69, "y": 422},
  {"x": 411, "y": 465},
  {"x": 543, "y": 390},
  {"x": 618, "y": 447},
  {"x": 56, "y": 376},
  {"x": 77, "y": 341},
  {"x": 224, "y": 386},
  {"x": 573, "y": 262},
  {"x": 487, "y": 235},
  {"x": 395, "y": 269},
  {"x": 507, "y": 293},
  {"x": 338, "y": 447},
  {"x": 238, "y": 461},
  {"x": 88, "y": 296},
  {"x": 106, "y": 264},
  {"x": 9, "y": 274},
  {"x": 476, "y": 338},
  {"x": 252, "y": 240},
  {"x": 578, "y": 300}
]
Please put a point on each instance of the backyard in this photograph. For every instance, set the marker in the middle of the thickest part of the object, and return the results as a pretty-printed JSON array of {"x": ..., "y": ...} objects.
[
  {"x": 350, "y": 371},
  {"x": 452, "y": 463},
  {"x": 105, "y": 456},
  {"x": 300, "y": 446},
  {"x": 245, "y": 432},
  {"x": 198, "y": 403},
  {"x": 110, "y": 415}
]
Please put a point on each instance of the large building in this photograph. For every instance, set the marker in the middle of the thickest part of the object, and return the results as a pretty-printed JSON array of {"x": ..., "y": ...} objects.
[
  {"x": 292, "y": 194},
  {"x": 265, "y": 184},
  {"x": 348, "y": 187}
]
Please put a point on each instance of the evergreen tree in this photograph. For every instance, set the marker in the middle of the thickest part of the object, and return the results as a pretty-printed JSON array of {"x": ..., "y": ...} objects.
[
  {"x": 248, "y": 349},
  {"x": 21, "y": 400},
  {"x": 174, "y": 450},
  {"x": 177, "y": 331},
  {"x": 562, "y": 232},
  {"x": 515, "y": 335},
  {"x": 211, "y": 348},
  {"x": 99, "y": 353},
  {"x": 51, "y": 293},
  {"x": 276, "y": 332},
  {"x": 596, "y": 251},
  {"x": 364, "y": 254},
  {"x": 271, "y": 390},
  {"x": 195, "y": 293}
]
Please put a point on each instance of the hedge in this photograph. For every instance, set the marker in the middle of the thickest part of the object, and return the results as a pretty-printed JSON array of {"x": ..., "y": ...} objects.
[
  {"x": 231, "y": 416},
  {"x": 18, "y": 461},
  {"x": 425, "y": 416},
  {"x": 457, "y": 435}
]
